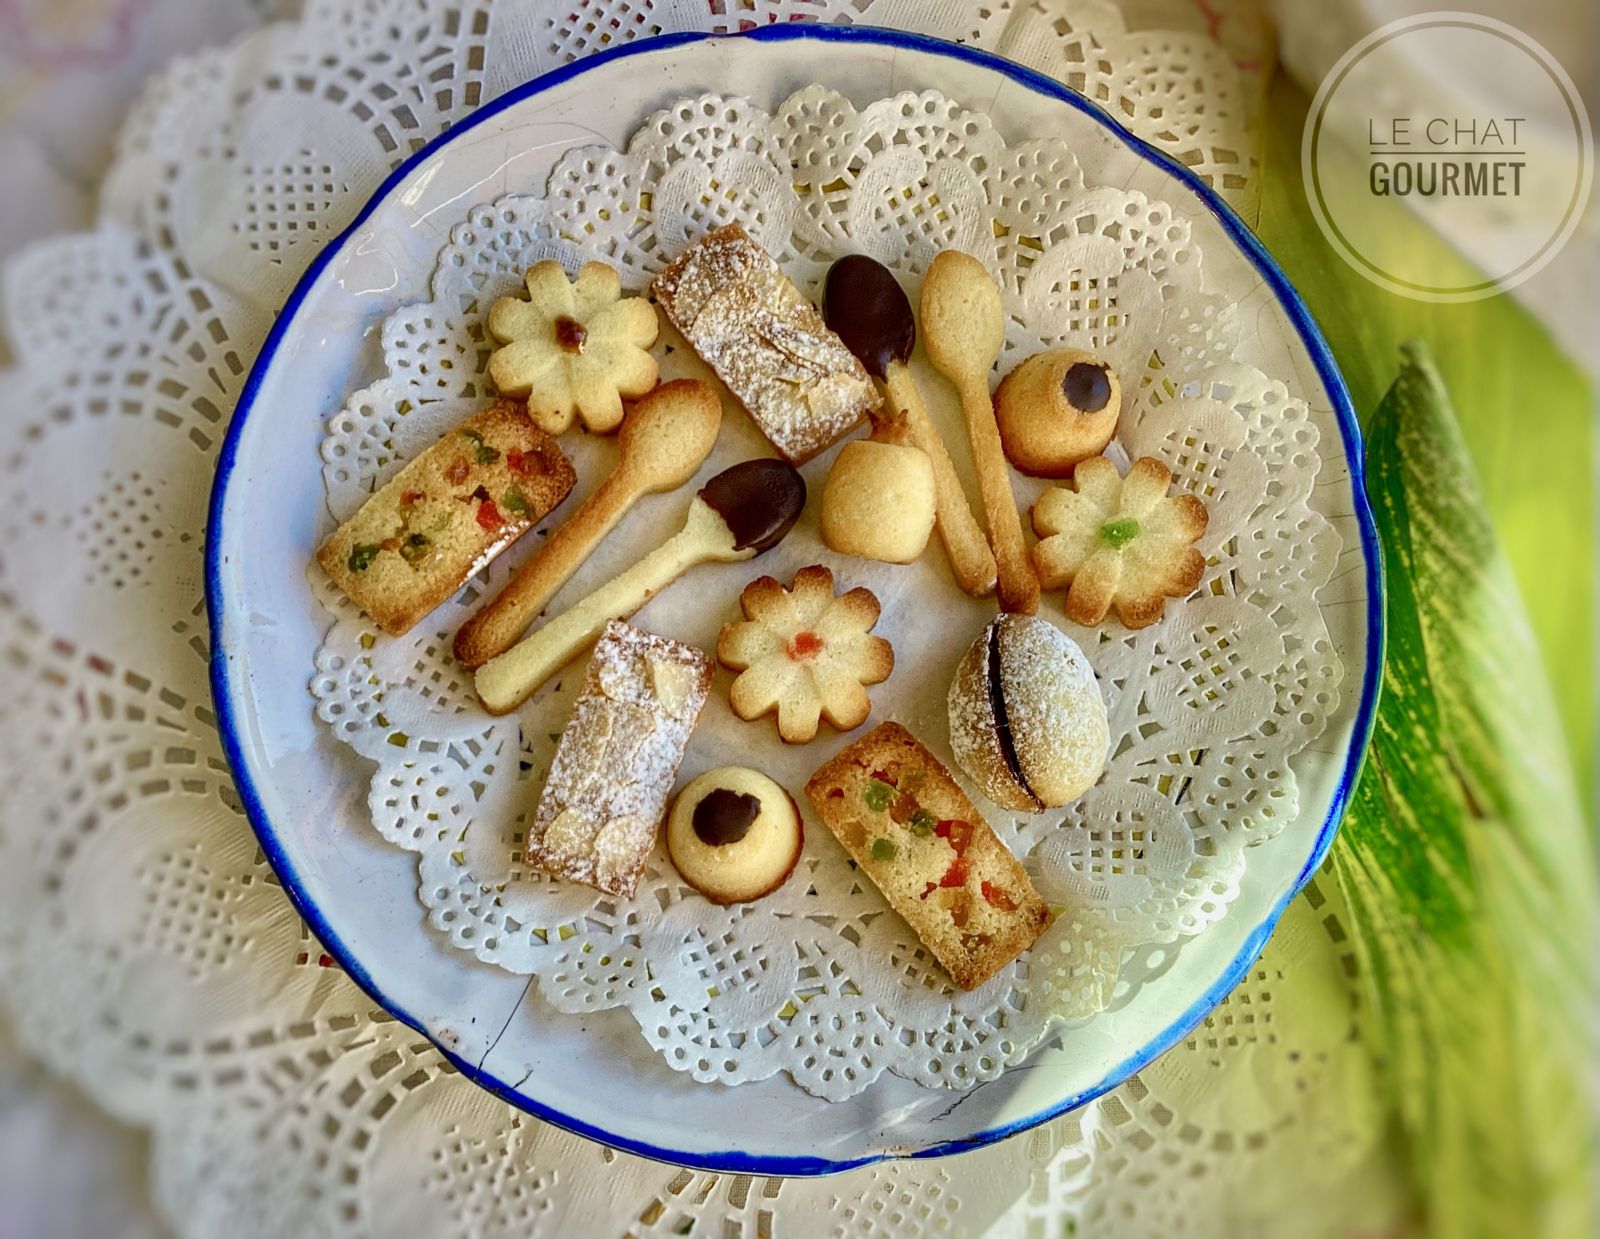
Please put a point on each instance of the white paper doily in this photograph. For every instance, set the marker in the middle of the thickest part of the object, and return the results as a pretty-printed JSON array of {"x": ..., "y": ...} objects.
[
  {"x": 146, "y": 951},
  {"x": 1207, "y": 705}
]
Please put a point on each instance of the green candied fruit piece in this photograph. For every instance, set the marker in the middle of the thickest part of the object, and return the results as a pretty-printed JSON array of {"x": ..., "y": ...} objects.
[
  {"x": 517, "y": 502},
  {"x": 923, "y": 823},
  {"x": 1118, "y": 533},
  {"x": 361, "y": 556},
  {"x": 416, "y": 548},
  {"x": 883, "y": 849},
  {"x": 486, "y": 455},
  {"x": 878, "y": 795}
]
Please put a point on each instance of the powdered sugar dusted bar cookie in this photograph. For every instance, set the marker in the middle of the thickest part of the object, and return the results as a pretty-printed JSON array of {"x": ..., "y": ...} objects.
[
  {"x": 618, "y": 759},
  {"x": 751, "y": 325}
]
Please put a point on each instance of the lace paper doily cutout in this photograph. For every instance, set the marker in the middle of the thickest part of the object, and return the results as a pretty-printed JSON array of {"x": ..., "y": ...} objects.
[
  {"x": 1207, "y": 705},
  {"x": 1178, "y": 90}
]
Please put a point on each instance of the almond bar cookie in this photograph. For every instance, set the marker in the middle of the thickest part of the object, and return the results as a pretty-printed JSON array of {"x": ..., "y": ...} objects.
[
  {"x": 752, "y": 326},
  {"x": 618, "y": 759}
]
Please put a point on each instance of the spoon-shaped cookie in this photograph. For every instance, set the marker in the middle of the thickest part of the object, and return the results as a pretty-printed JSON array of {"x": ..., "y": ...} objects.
[
  {"x": 964, "y": 329},
  {"x": 866, "y": 307},
  {"x": 664, "y": 439},
  {"x": 742, "y": 512}
]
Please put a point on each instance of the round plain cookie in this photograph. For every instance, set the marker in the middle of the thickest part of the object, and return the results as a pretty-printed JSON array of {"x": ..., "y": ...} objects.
[
  {"x": 734, "y": 835},
  {"x": 1056, "y": 409},
  {"x": 1027, "y": 721},
  {"x": 879, "y": 501}
]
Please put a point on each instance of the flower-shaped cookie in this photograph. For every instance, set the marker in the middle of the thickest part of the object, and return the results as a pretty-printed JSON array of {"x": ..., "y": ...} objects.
[
  {"x": 1121, "y": 542},
  {"x": 574, "y": 348},
  {"x": 805, "y": 654}
]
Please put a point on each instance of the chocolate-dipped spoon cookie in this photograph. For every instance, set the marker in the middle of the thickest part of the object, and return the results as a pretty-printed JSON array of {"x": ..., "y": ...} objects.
[
  {"x": 742, "y": 512},
  {"x": 866, "y": 307}
]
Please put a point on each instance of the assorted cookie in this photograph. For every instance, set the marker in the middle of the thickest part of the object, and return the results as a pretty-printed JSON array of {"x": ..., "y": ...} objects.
[
  {"x": 1117, "y": 542},
  {"x": 1027, "y": 721},
  {"x": 912, "y": 830},
  {"x": 734, "y": 835},
  {"x": 574, "y": 349},
  {"x": 617, "y": 760},
  {"x": 445, "y": 515},
  {"x": 879, "y": 502},
  {"x": 766, "y": 342},
  {"x": 1056, "y": 409},
  {"x": 805, "y": 654}
]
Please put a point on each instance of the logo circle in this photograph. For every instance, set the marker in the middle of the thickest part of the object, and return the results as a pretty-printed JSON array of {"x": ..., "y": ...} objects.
[{"x": 1399, "y": 116}]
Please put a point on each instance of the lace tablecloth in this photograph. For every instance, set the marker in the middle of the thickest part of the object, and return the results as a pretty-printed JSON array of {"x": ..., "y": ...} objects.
[{"x": 145, "y": 950}]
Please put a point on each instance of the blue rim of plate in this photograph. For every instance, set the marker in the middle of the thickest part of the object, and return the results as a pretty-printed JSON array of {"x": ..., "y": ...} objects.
[{"x": 735, "y": 1161}]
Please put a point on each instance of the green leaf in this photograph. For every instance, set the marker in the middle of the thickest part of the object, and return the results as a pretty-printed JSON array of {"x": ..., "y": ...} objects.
[
  {"x": 1466, "y": 858},
  {"x": 1526, "y": 410}
]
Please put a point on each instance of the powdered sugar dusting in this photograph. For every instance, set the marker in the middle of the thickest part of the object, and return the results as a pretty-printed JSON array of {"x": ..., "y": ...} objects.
[
  {"x": 974, "y": 735},
  {"x": 617, "y": 760},
  {"x": 1054, "y": 705},
  {"x": 751, "y": 325}
]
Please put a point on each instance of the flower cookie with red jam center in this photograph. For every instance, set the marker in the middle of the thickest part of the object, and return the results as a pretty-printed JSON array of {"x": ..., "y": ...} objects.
[
  {"x": 805, "y": 654},
  {"x": 1119, "y": 542},
  {"x": 574, "y": 348}
]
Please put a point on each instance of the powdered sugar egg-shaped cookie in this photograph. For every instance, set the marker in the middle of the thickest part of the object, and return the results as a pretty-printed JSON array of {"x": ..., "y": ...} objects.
[{"x": 1027, "y": 719}]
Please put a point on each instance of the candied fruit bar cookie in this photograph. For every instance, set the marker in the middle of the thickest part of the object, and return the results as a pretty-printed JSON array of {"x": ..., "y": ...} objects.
[
  {"x": 446, "y": 515},
  {"x": 618, "y": 759},
  {"x": 766, "y": 342},
  {"x": 914, "y": 832}
]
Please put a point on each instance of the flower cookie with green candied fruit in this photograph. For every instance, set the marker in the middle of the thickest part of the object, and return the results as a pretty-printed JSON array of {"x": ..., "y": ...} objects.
[
  {"x": 574, "y": 349},
  {"x": 1117, "y": 542},
  {"x": 805, "y": 654}
]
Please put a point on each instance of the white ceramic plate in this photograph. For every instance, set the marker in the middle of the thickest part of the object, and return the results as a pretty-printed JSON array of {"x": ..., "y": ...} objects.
[{"x": 306, "y": 795}]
